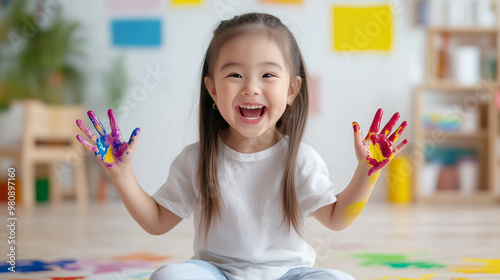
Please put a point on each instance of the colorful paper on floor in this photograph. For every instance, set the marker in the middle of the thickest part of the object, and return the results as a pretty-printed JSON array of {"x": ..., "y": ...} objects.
[
  {"x": 362, "y": 28},
  {"x": 427, "y": 277},
  {"x": 394, "y": 261},
  {"x": 133, "y": 5},
  {"x": 136, "y": 32},
  {"x": 186, "y": 2},
  {"x": 130, "y": 266},
  {"x": 141, "y": 265},
  {"x": 480, "y": 266}
]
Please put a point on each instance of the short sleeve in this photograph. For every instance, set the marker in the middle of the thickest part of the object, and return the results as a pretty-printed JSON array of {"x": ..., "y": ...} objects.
[
  {"x": 178, "y": 194},
  {"x": 313, "y": 185}
]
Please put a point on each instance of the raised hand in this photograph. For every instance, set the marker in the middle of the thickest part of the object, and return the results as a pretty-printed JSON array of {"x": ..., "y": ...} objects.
[
  {"x": 109, "y": 149},
  {"x": 376, "y": 150}
]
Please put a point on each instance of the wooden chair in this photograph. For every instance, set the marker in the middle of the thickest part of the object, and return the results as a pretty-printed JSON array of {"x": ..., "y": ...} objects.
[{"x": 49, "y": 138}]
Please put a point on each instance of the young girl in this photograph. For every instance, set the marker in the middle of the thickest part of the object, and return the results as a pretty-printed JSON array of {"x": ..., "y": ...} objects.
[{"x": 249, "y": 181}]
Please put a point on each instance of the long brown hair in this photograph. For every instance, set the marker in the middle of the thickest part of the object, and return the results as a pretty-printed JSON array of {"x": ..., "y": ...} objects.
[{"x": 292, "y": 123}]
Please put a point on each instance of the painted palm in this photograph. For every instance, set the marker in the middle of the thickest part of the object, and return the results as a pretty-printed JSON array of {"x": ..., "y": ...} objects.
[
  {"x": 376, "y": 149},
  {"x": 111, "y": 150}
]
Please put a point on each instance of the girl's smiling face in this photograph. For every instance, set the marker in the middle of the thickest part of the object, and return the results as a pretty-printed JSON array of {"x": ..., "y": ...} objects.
[{"x": 251, "y": 87}]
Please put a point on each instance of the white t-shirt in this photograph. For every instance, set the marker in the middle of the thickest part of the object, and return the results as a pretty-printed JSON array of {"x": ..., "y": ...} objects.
[{"x": 248, "y": 241}]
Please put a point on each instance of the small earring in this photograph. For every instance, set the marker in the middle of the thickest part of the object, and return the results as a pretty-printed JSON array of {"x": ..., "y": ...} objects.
[
  {"x": 288, "y": 106},
  {"x": 215, "y": 106}
]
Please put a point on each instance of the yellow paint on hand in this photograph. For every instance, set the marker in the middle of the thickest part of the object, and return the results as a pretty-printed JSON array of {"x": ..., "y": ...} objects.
[
  {"x": 375, "y": 151},
  {"x": 353, "y": 211},
  {"x": 397, "y": 134},
  {"x": 373, "y": 179},
  {"x": 109, "y": 158}
]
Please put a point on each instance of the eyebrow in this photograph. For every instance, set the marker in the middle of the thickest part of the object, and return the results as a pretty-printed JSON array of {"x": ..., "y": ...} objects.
[{"x": 269, "y": 63}]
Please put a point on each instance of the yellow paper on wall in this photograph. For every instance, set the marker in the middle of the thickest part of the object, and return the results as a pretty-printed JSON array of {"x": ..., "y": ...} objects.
[
  {"x": 186, "y": 2},
  {"x": 282, "y": 1},
  {"x": 362, "y": 28}
]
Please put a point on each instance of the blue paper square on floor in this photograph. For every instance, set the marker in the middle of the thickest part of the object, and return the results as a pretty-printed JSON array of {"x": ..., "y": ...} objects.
[{"x": 136, "y": 32}]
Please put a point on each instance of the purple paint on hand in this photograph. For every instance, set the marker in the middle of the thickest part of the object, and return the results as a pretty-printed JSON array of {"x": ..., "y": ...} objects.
[{"x": 109, "y": 148}]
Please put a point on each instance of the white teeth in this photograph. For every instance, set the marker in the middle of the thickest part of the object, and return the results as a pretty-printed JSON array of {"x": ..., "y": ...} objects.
[
  {"x": 251, "y": 106},
  {"x": 251, "y": 118}
]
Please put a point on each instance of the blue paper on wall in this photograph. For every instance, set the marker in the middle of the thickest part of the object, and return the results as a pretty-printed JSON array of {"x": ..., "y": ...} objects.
[{"x": 136, "y": 32}]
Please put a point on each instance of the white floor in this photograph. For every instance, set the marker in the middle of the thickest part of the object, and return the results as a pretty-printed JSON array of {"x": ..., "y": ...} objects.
[{"x": 433, "y": 234}]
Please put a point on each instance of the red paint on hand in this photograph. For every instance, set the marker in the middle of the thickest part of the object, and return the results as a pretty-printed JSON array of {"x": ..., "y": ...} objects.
[
  {"x": 356, "y": 127},
  {"x": 377, "y": 148}
]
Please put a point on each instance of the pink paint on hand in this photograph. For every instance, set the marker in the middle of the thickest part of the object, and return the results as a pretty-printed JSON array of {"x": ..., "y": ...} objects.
[
  {"x": 356, "y": 127},
  {"x": 390, "y": 125},
  {"x": 375, "y": 124},
  {"x": 379, "y": 150},
  {"x": 398, "y": 132},
  {"x": 110, "y": 149}
]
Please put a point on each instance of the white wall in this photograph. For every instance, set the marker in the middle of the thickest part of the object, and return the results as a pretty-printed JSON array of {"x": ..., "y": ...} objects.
[{"x": 351, "y": 89}]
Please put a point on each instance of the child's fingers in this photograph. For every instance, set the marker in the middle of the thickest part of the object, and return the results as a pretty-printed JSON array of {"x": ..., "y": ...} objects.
[
  {"x": 400, "y": 146},
  {"x": 86, "y": 144},
  {"x": 133, "y": 138},
  {"x": 374, "y": 128},
  {"x": 85, "y": 130},
  {"x": 398, "y": 132},
  {"x": 115, "y": 130},
  {"x": 390, "y": 124},
  {"x": 97, "y": 123},
  {"x": 358, "y": 137}
]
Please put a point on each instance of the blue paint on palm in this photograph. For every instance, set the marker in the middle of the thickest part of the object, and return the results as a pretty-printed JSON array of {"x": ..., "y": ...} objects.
[{"x": 102, "y": 147}]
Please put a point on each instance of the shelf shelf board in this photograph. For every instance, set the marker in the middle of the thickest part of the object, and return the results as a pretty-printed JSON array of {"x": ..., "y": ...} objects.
[
  {"x": 451, "y": 85},
  {"x": 469, "y": 30},
  {"x": 458, "y": 135}
]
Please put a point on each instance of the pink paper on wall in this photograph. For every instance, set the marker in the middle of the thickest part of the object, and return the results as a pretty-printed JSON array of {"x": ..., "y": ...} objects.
[
  {"x": 314, "y": 95},
  {"x": 126, "y": 5}
]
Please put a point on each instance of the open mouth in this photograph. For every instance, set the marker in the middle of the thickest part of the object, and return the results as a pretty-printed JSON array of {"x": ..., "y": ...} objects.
[{"x": 252, "y": 112}]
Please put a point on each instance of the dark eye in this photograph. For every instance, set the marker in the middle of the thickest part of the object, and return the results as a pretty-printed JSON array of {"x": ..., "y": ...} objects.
[
  {"x": 234, "y": 75},
  {"x": 267, "y": 75}
]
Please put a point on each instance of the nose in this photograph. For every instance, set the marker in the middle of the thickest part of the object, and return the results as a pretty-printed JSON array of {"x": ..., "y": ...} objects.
[{"x": 252, "y": 87}]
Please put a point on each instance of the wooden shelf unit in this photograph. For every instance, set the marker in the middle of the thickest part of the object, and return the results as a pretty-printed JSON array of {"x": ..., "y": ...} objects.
[{"x": 485, "y": 138}]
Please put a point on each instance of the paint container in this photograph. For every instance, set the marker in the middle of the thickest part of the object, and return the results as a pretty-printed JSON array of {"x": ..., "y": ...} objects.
[
  {"x": 470, "y": 121},
  {"x": 399, "y": 189},
  {"x": 485, "y": 16},
  {"x": 429, "y": 176},
  {"x": 424, "y": 13},
  {"x": 448, "y": 178},
  {"x": 448, "y": 174},
  {"x": 456, "y": 12},
  {"x": 467, "y": 65},
  {"x": 468, "y": 174},
  {"x": 489, "y": 64}
]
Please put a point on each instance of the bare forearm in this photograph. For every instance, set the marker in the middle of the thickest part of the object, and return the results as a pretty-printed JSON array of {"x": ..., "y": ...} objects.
[
  {"x": 353, "y": 199},
  {"x": 139, "y": 204}
]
